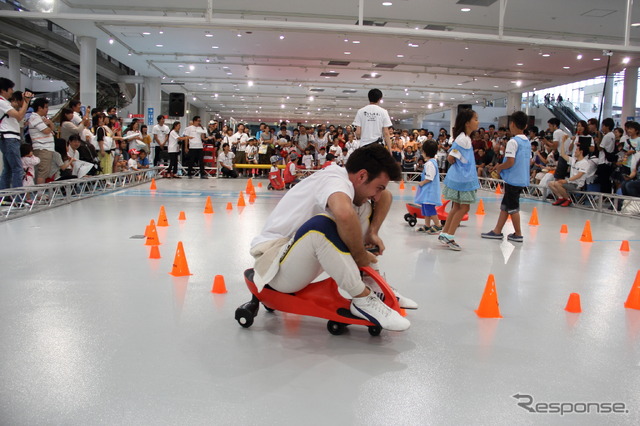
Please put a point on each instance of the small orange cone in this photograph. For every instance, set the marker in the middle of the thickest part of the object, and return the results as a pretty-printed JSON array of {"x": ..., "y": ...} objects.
[
  {"x": 586, "y": 233},
  {"x": 401, "y": 184},
  {"x": 564, "y": 229},
  {"x": 218, "y": 285},
  {"x": 153, "y": 185},
  {"x": 259, "y": 184},
  {"x": 241, "y": 202},
  {"x": 633, "y": 301},
  {"x": 180, "y": 267},
  {"x": 480, "y": 209},
  {"x": 413, "y": 187},
  {"x": 252, "y": 197},
  {"x": 162, "y": 217},
  {"x": 249, "y": 186},
  {"x": 573, "y": 304},
  {"x": 534, "y": 217},
  {"x": 229, "y": 206},
  {"x": 489, "y": 307},
  {"x": 498, "y": 190},
  {"x": 208, "y": 207},
  {"x": 152, "y": 238},
  {"x": 147, "y": 231},
  {"x": 182, "y": 216},
  {"x": 155, "y": 252},
  {"x": 624, "y": 246}
]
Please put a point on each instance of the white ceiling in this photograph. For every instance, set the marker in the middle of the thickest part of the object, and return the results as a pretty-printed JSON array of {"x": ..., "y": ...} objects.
[{"x": 464, "y": 62}]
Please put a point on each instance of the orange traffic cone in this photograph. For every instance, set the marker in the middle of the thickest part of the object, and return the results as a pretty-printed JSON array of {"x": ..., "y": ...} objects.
[
  {"x": 162, "y": 217},
  {"x": 259, "y": 184},
  {"x": 564, "y": 229},
  {"x": 498, "y": 190},
  {"x": 153, "y": 185},
  {"x": 147, "y": 231},
  {"x": 586, "y": 233},
  {"x": 573, "y": 304},
  {"x": 401, "y": 184},
  {"x": 534, "y": 217},
  {"x": 249, "y": 186},
  {"x": 633, "y": 301},
  {"x": 180, "y": 267},
  {"x": 155, "y": 252},
  {"x": 229, "y": 206},
  {"x": 489, "y": 307},
  {"x": 152, "y": 239},
  {"x": 252, "y": 197},
  {"x": 208, "y": 207},
  {"x": 218, "y": 285},
  {"x": 182, "y": 216},
  {"x": 241, "y": 202},
  {"x": 480, "y": 209},
  {"x": 624, "y": 246}
]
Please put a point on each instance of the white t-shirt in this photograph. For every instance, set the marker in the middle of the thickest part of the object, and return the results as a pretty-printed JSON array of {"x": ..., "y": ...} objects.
[
  {"x": 371, "y": 119},
  {"x": 77, "y": 118},
  {"x": 173, "y": 142},
  {"x": 557, "y": 137},
  {"x": 196, "y": 132},
  {"x": 307, "y": 160},
  {"x": 132, "y": 164},
  {"x": 162, "y": 132},
  {"x": 303, "y": 201},
  {"x": 9, "y": 126},
  {"x": 251, "y": 151},
  {"x": 583, "y": 166},
  {"x": 86, "y": 135},
  {"x": 321, "y": 159},
  {"x": 239, "y": 140},
  {"x": 40, "y": 139},
  {"x": 512, "y": 147},
  {"x": 608, "y": 142},
  {"x": 429, "y": 171},
  {"x": 226, "y": 159}
]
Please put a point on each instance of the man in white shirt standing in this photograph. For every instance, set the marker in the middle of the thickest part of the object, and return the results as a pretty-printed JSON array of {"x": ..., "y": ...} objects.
[
  {"x": 239, "y": 138},
  {"x": 41, "y": 130},
  {"x": 372, "y": 122},
  {"x": 76, "y": 107},
  {"x": 10, "y": 117},
  {"x": 160, "y": 134},
  {"x": 194, "y": 147}
]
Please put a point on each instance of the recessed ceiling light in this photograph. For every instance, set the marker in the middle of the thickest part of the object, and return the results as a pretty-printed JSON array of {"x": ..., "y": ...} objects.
[
  {"x": 347, "y": 53},
  {"x": 496, "y": 86},
  {"x": 566, "y": 68},
  {"x": 311, "y": 98},
  {"x": 459, "y": 84},
  {"x": 228, "y": 73},
  {"x": 596, "y": 59},
  {"x": 356, "y": 42},
  {"x": 387, "y": 3},
  {"x": 208, "y": 35},
  {"x": 430, "y": 106},
  {"x": 626, "y": 60},
  {"x": 146, "y": 33},
  {"x": 187, "y": 72},
  {"x": 579, "y": 57},
  {"x": 636, "y": 24},
  {"x": 518, "y": 83},
  {"x": 545, "y": 55},
  {"x": 441, "y": 104},
  {"x": 519, "y": 64},
  {"x": 215, "y": 47},
  {"x": 110, "y": 41},
  {"x": 250, "y": 83},
  {"x": 412, "y": 45},
  {"x": 281, "y": 37},
  {"x": 160, "y": 32},
  {"x": 400, "y": 56},
  {"x": 346, "y": 40},
  {"x": 191, "y": 67},
  {"x": 239, "y": 35},
  {"x": 466, "y": 48},
  {"x": 180, "y": 66},
  {"x": 159, "y": 45},
  {"x": 465, "y": 9}
]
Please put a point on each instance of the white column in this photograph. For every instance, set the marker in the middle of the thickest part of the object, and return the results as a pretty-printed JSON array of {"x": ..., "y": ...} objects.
[
  {"x": 607, "y": 107},
  {"x": 88, "y": 73},
  {"x": 629, "y": 94},
  {"x": 14, "y": 68},
  {"x": 514, "y": 102},
  {"x": 454, "y": 114},
  {"x": 152, "y": 100}
]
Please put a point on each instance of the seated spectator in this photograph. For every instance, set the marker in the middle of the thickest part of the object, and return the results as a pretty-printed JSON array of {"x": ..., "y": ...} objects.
[
  {"x": 343, "y": 157},
  {"x": 132, "y": 163},
  {"x": 581, "y": 168},
  {"x": 225, "y": 161},
  {"x": 481, "y": 161},
  {"x": 396, "y": 151},
  {"x": 330, "y": 161},
  {"x": 409, "y": 159},
  {"x": 631, "y": 184},
  {"x": 291, "y": 173},
  {"x": 143, "y": 160}
]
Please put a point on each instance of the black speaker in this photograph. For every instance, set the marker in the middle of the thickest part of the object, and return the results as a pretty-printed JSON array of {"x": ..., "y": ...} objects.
[
  {"x": 463, "y": 106},
  {"x": 176, "y": 104}
]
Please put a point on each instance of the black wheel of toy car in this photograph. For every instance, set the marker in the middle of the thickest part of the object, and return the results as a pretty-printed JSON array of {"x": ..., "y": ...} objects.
[
  {"x": 412, "y": 221},
  {"x": 336, "y": 328},
  {"x": 244, "y": 317},
  {"x": 268, "y": 308},
  {"x": 407, "y": 217},
  {"x": 375, "y": 330}
]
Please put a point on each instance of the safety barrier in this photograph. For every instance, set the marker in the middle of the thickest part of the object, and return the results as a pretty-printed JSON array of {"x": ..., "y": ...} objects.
[{"x": 18, "y": 202}]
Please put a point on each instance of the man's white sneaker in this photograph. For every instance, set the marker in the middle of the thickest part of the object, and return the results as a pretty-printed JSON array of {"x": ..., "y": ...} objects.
[
  {"x": 373, "y": 309},
  {"x": 404, "y": 302}
]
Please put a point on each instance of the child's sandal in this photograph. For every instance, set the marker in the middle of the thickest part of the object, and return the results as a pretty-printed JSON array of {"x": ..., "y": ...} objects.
[{"x": 422, "y": 229}]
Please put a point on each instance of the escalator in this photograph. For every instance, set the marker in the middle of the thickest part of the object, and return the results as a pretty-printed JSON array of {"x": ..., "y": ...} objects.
[{"x": 566, "y": 112}]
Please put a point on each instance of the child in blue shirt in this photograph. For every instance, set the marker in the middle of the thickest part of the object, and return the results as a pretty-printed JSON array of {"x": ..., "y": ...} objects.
[
  {"x": 514, "y": 169},
  {"x": 428, "y": 194}
]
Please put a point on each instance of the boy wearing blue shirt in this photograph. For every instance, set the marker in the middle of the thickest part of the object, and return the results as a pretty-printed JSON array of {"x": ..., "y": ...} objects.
[{"x": 514, "y": 170}]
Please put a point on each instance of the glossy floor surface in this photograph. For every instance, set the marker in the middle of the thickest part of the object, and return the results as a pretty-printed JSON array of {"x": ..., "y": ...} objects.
[{"x": 92, "y": 331}]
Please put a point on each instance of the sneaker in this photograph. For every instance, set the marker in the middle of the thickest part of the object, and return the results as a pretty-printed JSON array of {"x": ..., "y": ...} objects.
[
  {"x": 559, "y": 201},
  {"x": 403, "y": 302},
  {"x": 423, "y": 229},
  {"x": 371, "y": 308},
  {"x": 566, "y": 203},
  {"x": 453, "y": 245},
  {"x": 443, "y": 239},
  {"x": 491, "y": 235},
  {"x": 434, "y": 230},
  {"x": 515, "y": 238}
]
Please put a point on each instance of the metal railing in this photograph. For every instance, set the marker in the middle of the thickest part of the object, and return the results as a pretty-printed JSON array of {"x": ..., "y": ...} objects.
[{"x": 18, "y": 202}]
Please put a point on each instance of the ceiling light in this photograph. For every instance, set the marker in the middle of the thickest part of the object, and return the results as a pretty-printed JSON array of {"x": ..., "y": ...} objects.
[
  {"x": 496, "y": 87},
  {"x": 636, "y": 24},
  {"x": 519, "y": 64},
  {"x": 207, "y": 60},
  {"x": 228, "y": 73},
  {"x": 518, "y": 83},
  {"x": 110, "y": 41},
  {"x": 208, "y": 34},
  {"x": 346, "y": 40},
  {"x": 579, "y": 57},
  {"x": 387, "y": 3},
  {"x": 545, "y": 55},
  {"x": 282, "y": 106},
  {"x": 465, "y": 9},
  {"x": 146, "y": 33},
  {"x": 430, "y": 106},
  {"x": 596, "y": 59},
  {"x": 180, "y": 66},
  {"x": 250, "y": 83},
  {"x": 626, "y": 60},
  {"x": 187, "y": 72},
  {"x": 459, "y": 84},
  {"x": 412, "y": 45},
  {"x": 239, "y": 35},
  {"x": 566, "y": 68},
  {"x": 311, "y": 98},
  {"x": 356, "y": 42},
  {"x": 159, "y": 45},
  {"x": 130, "y": 53},
  {"x": 192, "y": 67},
  {"x": 214, "y": 47},
  {"x": 194, "y": 98},
  {"x": 466, "y": 48},
  {"x": 160, "y": 32},
  {"x": 400, "y": 56},
  {"x": 441, "y": 104},
  {"x": 281, "y": 37},
  {"x": 347, "y": 53}
]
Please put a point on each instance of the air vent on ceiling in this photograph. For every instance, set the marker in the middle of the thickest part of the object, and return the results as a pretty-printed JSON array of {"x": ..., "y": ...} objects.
[
  {"x": 373, "y": 75},
  {"x": 477, "y": 2},
  {"x": 386, "y": 66},
  {"x": 316, "y": 90},
  {"x": 372, "y": 23},
  {"x": 339, "y": 63},
  {"x": 329, "y": 74},
  {"x": 132, "y": 34},
  {"x": 349, "y": 91},
  {"x": 436, "y": 27}
]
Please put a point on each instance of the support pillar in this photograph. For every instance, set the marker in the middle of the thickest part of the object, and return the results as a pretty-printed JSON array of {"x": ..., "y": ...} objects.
[
  {"x": 514, "y": 102},
  {"x": 88, "y": 71},
  {"x": 152, "y": 100},
  {"x": 607, "y": 107},
  {"x": 454, "y": 114},
  {"x": 14, "y": 68},
  {"x": 629, "y": 94}
]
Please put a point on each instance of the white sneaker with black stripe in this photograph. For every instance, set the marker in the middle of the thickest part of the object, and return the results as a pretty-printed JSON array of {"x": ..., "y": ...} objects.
[
  {"x": 403, "y": 301},
  {"x": 371, "y": 308}
]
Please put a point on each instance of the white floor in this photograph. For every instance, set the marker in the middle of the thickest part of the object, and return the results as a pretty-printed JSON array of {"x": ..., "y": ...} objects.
[{"x": 94, "y": 332}]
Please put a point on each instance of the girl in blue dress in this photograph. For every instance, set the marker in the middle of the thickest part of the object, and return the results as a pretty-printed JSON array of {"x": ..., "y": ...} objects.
[
  {"x": 428, "y": 194},
  {"x": 461, "y": 182}
]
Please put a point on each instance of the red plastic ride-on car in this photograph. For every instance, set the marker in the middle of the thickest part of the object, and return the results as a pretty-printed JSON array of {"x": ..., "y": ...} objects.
[{"x": 319, "y": 299}]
